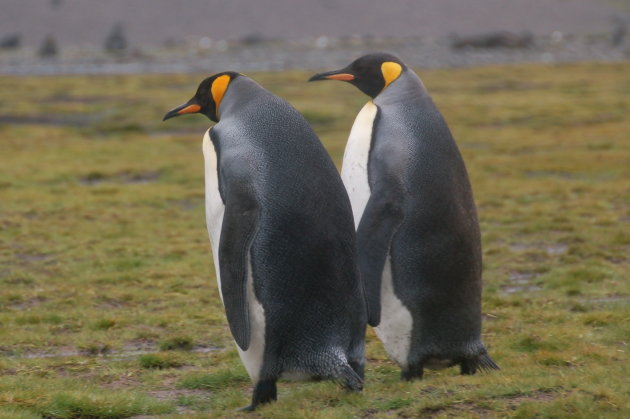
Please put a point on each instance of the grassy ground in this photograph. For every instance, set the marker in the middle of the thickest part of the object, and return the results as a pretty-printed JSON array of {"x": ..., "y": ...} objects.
[{"x": 108, "y": 305}]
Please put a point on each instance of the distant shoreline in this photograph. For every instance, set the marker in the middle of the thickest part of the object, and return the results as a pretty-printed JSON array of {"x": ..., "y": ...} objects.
[{"x": 309, "y": 54}]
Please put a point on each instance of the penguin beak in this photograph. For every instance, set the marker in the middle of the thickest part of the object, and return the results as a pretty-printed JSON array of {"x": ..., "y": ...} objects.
[
  {"x": 188, "y": 107},
  {"x": 333, "y": 75}
]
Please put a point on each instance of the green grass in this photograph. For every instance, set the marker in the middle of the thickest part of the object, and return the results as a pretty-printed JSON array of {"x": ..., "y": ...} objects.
[
  {"x": 160, "y": 361},
  {"x": 183, "y": 343},
  {"x": 108, "y": 303},
  {"x": 215, "y": 381}
]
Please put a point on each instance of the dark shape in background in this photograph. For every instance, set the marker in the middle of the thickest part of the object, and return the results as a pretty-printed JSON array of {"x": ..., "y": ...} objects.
[
  {"x": 116, "y": 41},
  {"x": 11, "y": 41},
  {"x": 501, "y": 39},
  {"x": 49, "y": 48}
]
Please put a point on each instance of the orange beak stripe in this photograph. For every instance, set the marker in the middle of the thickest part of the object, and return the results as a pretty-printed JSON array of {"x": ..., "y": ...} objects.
[
  {"x": 341, "y": 76},
  {"x": 190, "y": 109}
]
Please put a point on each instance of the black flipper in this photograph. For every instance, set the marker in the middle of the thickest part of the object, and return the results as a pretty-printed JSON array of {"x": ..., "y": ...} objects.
[
  {"x": 381, "y": 218},
  {"x": 237, "y": 232}
]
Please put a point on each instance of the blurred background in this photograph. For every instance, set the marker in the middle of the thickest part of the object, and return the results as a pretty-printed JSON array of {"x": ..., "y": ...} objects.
[{"x": 78, "y": 36}]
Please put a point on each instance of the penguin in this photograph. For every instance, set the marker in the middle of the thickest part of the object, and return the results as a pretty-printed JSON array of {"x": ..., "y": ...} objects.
[
  {"x": 417, "y": 229},
  {"x": 282, "y": 236}
]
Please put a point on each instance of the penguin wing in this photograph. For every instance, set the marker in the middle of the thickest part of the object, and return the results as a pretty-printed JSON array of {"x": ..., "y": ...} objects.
[
  {"x": 240, "y": 222},
  {"x": 382, "y": 216}
]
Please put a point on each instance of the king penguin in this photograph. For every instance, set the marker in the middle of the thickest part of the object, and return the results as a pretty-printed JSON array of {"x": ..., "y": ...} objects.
[
  {"x": 417, "y": 230},
  {"x": 283, "y": 238}
]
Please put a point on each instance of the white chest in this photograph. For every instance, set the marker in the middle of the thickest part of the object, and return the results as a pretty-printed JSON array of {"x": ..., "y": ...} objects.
[
  {"x": 396, "y": 323},
  {"x": 214, "y": 205},
  {"x": 253, "y": 357},
  {"x": 354, "y": 171}
]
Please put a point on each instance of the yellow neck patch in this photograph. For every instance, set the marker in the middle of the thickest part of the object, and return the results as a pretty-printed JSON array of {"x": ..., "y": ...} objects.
[
  {"x": 219, "y": 86},
  {"x": 391, "y": 71}
]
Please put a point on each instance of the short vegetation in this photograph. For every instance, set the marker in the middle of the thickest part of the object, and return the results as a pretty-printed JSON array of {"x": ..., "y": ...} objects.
[{"x": 108, "y": 303}]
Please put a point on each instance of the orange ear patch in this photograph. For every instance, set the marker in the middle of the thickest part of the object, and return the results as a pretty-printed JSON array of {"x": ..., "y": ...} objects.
[
  {"x": 219, "y": 86},
  {"x": 391, "y": 71}
]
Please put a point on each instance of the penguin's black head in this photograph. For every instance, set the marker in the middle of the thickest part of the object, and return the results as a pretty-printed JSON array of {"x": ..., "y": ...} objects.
[
  {"x": 208, "y": 97},
  {"x": 370, "y": 73}
]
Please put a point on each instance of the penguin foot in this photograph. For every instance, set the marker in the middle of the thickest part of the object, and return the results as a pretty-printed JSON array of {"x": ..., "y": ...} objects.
[
  {"x": 468, "y": 367},
  {"x": 412, "y": 372},
  {"x": 352, "y": 388},
  {"x": 359, "y": 368},
  {"x": 352, "y": 381},
  {"x": 264, "y": 392}
]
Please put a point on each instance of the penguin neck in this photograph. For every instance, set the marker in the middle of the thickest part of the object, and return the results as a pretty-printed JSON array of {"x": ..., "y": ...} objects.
[
  {"x": 407, "y": 87},
  {"x": 240, "y": 92}
]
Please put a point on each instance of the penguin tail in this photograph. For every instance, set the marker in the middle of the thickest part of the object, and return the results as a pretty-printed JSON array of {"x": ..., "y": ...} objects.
[
  {"x": 338, "y": 369},
  {"x": 350, "y": 379},
  {"x": 485, "y": 363}
]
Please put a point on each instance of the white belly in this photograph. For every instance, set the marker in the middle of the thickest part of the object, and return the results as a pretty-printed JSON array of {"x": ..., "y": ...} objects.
[
  {"x": 394, "y": 330},
  {"x": 252, "y": 358},
  {"x": 396, "y": 323},
  {"x": 214, "y": 205},
  {"x": 354, "y": 171}
]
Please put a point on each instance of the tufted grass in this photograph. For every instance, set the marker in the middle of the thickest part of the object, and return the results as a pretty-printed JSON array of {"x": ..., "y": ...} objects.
[{"x": 108, "y": 305}]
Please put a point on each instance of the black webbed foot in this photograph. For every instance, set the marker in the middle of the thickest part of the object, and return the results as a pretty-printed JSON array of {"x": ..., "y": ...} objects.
[
  {"x": 264, "y": 392},
  {"x": 412, "y": 372}
]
